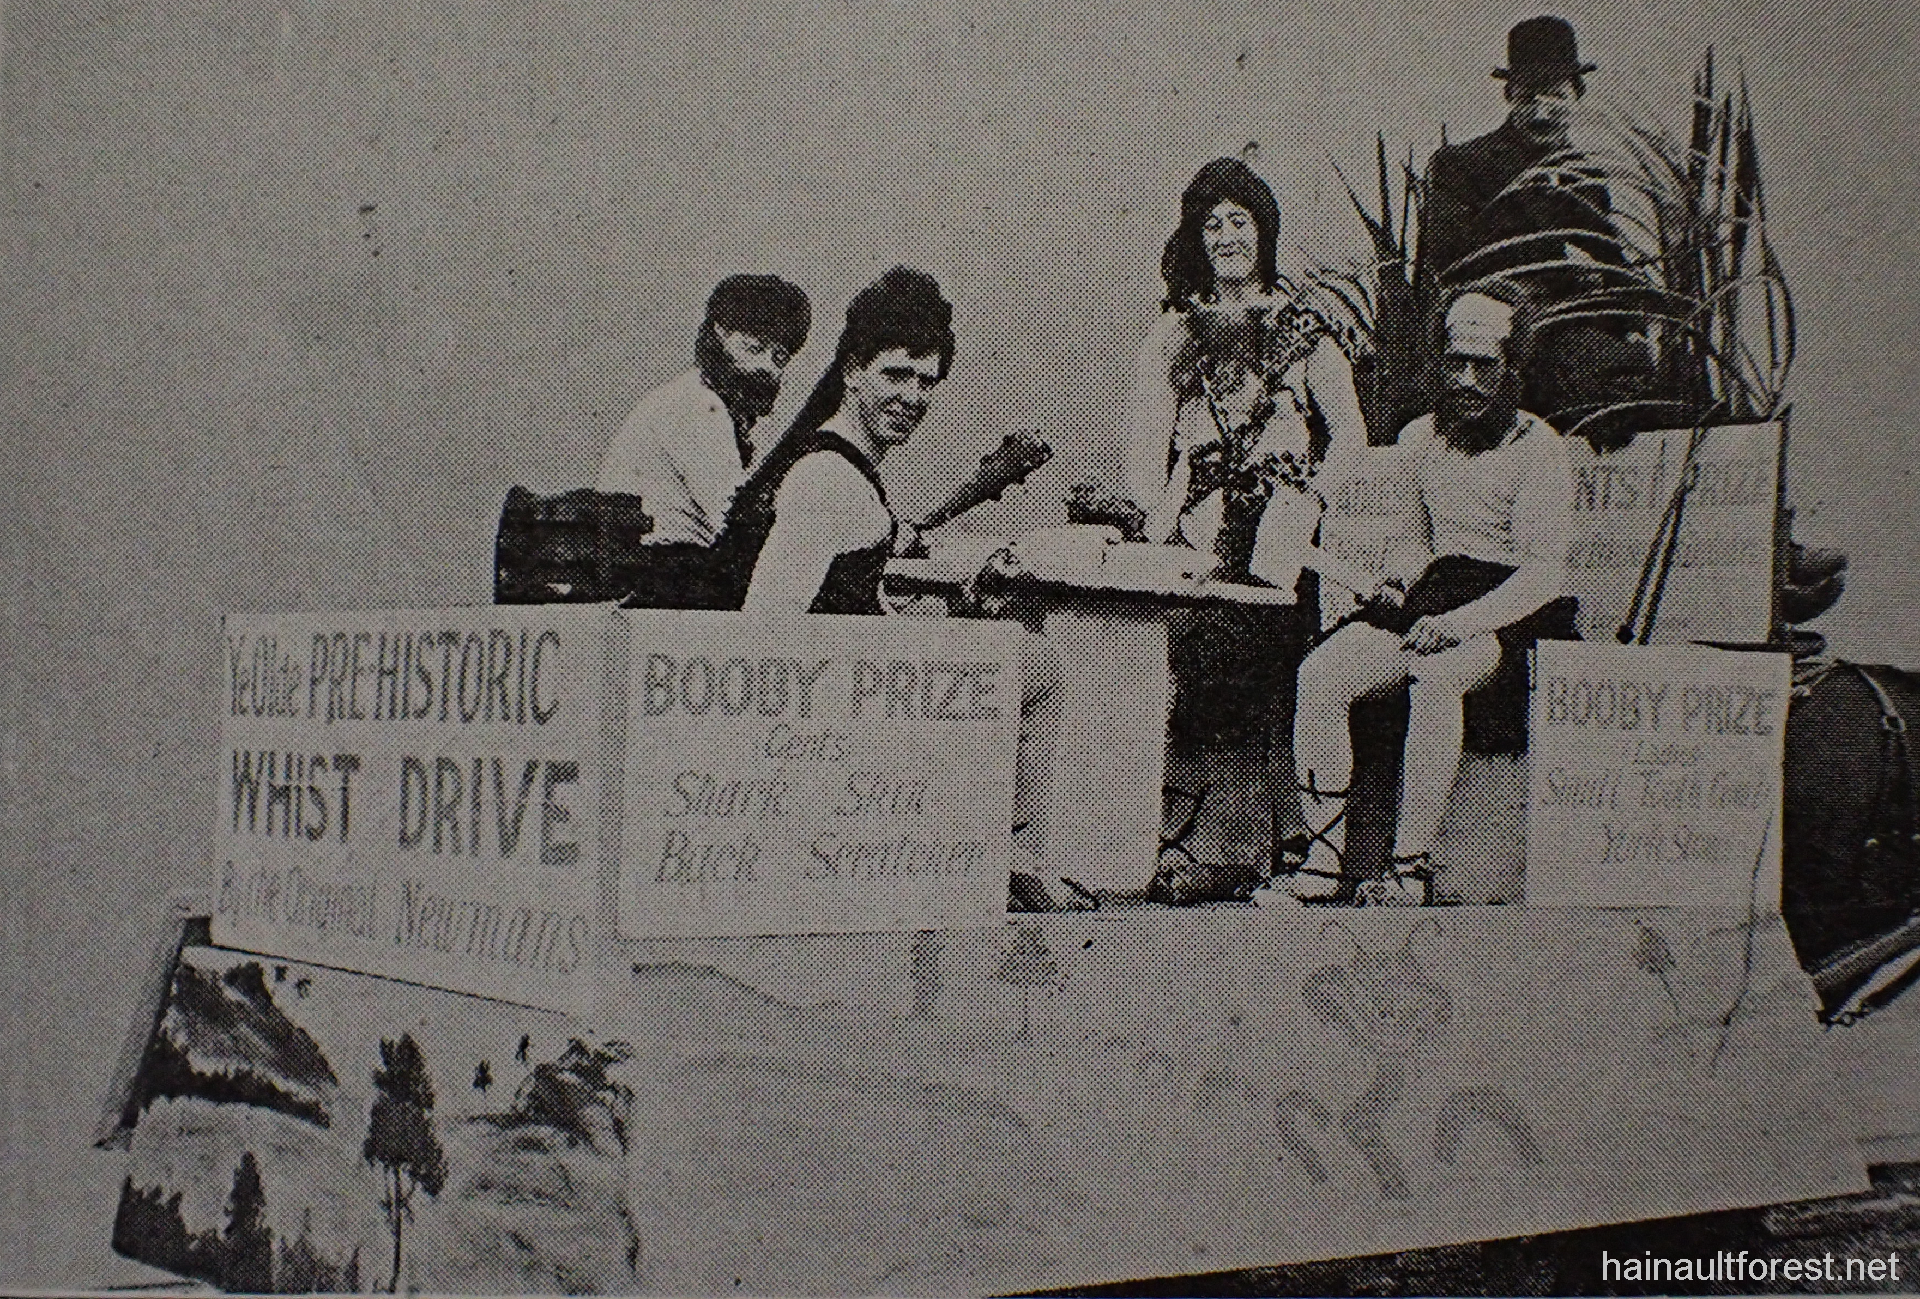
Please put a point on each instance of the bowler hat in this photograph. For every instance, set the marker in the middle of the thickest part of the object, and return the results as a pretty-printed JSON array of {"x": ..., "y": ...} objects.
[{"x": 1541, "y": 51}]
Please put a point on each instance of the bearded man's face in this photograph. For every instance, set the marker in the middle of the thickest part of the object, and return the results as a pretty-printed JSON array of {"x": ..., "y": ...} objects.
[
  {"x": 1479, "y": 388},
  {"x": 744, "y": 369}
]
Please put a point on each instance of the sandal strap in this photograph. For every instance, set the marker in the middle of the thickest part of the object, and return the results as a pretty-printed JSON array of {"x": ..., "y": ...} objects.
[
  {"x": 1312, "y": 787},
  {"x": 1414, "y": 866},
  {"x": 1295, "y": 849}
]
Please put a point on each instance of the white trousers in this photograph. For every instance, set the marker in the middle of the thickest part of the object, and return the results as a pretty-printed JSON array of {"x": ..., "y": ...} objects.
[{"x": 1360, "y": 660}]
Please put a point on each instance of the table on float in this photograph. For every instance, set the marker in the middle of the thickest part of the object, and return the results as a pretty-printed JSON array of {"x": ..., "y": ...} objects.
[{"x": 1110, "y": 632}]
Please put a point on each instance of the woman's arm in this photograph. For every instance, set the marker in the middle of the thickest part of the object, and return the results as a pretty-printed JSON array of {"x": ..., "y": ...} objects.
[
  {"x": 1330, "y": 384},
  {"x": 1152, "y": 411}
]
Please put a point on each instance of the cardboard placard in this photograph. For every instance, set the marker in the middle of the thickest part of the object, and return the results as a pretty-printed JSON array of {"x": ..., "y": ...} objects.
[
  {"x": 819, "y": 775},
  {"x": 1720, "y": 585},
  {"x": 1656, "y": 776},
  {"x": 1371, "y": 508},
  {"x": 416, "y": 795}
]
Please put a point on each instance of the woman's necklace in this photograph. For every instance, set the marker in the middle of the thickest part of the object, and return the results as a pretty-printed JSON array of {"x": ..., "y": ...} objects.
[{"x": 1228, "y": 465}]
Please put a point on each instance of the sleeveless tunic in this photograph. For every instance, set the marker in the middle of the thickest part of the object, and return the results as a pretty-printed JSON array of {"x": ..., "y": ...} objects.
[{"x": 852, "y": 585}]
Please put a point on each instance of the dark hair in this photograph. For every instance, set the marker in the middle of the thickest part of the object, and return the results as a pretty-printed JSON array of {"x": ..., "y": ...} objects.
[
  {"x": 902, "y": 309},
  {"x": 765, "y": 306},
  {"x": 1184, "y": 265}
]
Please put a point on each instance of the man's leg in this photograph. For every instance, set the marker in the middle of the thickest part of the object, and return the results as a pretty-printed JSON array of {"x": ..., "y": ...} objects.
[
  {"x": 1435, "y": 727},
  {"x": 1355, "y": 661},
  {"x": 1040, "y": 714}
]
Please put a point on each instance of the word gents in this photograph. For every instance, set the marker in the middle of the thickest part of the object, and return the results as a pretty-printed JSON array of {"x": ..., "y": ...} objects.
[{"x": 482, "y": 675}]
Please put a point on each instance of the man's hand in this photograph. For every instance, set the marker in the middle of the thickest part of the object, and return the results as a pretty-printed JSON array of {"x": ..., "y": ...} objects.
[
  {"x": 987, "y": 593},
  {"x": 910, "y": 539},
  {"x": 1433, "y": 633},
  {"x": 1386, "y": 594}
]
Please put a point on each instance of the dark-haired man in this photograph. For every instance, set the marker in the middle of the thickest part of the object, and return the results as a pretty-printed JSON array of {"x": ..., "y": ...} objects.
[
  {"x": 811, "y": 530},
  {"x": 1494, "y": 486},
  {"x": 688, "y": 444}
]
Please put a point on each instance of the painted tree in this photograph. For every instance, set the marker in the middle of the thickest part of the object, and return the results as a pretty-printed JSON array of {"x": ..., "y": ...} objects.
[
  {"x": 247, "y": 1247},
  {"x": 400, "y": 1137}
]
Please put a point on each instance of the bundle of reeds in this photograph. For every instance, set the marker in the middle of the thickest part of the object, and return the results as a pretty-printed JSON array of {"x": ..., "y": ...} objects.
[
  {"x": 1679, "y": 253},
  {"x": 1379, "y": 300}
]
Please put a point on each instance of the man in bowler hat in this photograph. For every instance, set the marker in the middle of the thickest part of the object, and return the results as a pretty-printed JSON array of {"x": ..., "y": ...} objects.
[
  {"x": 1469, "y": 205},
  {"x": 1552, "y": 232}
]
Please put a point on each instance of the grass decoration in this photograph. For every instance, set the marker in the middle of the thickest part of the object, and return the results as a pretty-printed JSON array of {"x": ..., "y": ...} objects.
[
  {"x": 1378, "y": 299},
  {"x": 1688, "y": 262}
]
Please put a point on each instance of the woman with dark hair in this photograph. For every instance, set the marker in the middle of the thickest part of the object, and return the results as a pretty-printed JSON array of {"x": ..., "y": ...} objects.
[
  {"x": 1241, "y": 392},
  {"x": 1241, "y": 389}
]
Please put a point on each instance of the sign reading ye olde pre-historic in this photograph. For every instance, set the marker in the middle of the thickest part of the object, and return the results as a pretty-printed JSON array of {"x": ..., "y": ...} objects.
[
  {"x": 1655, "y": 776},
  {"x": 415, "y": 794},
  {"x": 820, "y": 775}
]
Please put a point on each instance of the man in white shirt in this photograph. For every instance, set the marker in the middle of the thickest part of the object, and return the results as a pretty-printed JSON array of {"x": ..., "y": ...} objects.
[
  {"x": 687, "y": 446},
  {"x": 1494, "y": 485}
]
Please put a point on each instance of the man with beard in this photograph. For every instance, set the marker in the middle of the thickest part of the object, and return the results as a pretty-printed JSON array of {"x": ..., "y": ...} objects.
[
  {"x": 1494, "y": 486},
  {"x": 687, "y": 446},
  {"x": 811, "y": 530}
]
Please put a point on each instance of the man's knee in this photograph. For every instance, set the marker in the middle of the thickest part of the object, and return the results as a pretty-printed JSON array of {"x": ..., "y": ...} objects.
[
  {"x": 1454, "y": 672},
  {"x": 1427, "y": 696},
  {"x": 1322, "y": 671}
]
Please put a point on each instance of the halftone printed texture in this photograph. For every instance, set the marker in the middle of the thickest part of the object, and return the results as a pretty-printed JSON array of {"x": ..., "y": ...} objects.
[{"x": 307, "y": 288}]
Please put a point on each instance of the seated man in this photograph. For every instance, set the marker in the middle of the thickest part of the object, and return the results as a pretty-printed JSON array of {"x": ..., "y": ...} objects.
[
  {"x": 811, "y": 530},
  {"x": 1494, "y": 485},
  {"x": 688, "y": 444}
]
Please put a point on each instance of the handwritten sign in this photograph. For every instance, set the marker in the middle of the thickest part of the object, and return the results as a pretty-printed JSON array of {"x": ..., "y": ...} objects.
[
  {"x": 1655, "y": 775},
  {"x": 1372, "y": 509},
  {"x": 1720, "y": 584},
  {"x": 822, "y": 775},
  {"x": 415, "y": 795}
]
